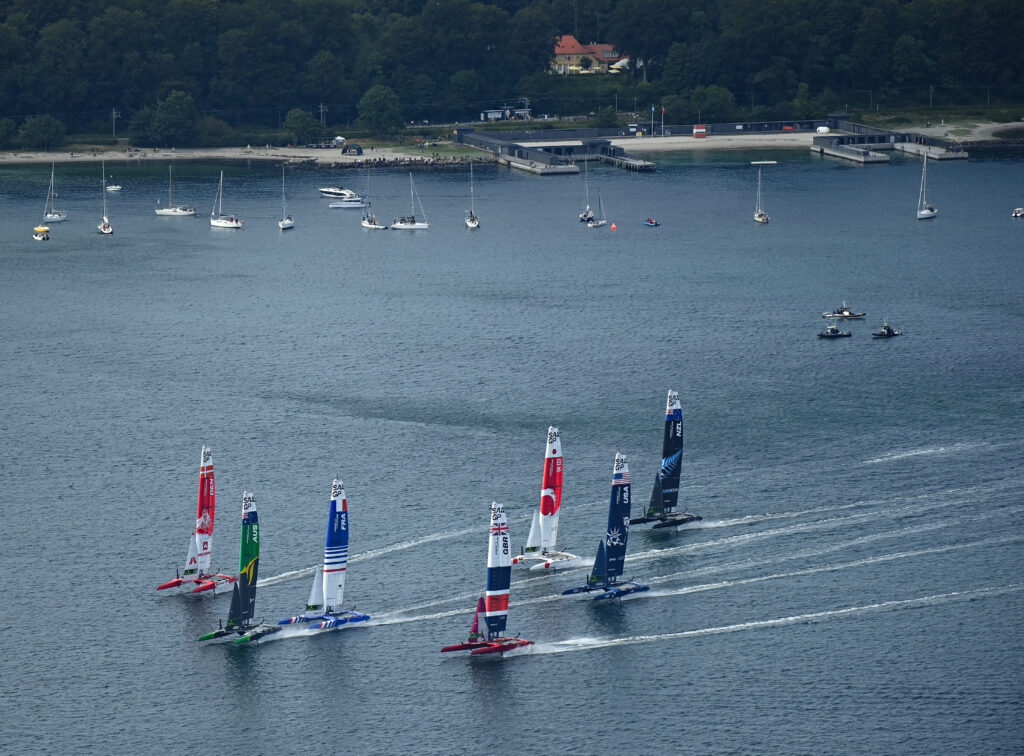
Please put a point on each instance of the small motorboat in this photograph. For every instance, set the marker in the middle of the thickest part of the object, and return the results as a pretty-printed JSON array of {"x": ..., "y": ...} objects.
[
  {"x": 833, "y": 332},
  {"x": 887, "y": 332},
  {"x": 651, "y": 222},
  {"x": 42, "y": 233},
  {"x": 843, "y": 313},
  {"x": 114, "y": 187},
  {"x": 337, "y": 191},
  {"x": 1018, "y": 212}
]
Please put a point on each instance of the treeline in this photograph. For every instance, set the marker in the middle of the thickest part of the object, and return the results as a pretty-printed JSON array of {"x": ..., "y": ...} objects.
[{"x": 195, "y": 70}]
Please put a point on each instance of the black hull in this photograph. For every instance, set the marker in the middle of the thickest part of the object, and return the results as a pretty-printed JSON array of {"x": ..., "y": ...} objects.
[{"x": 667, "y": 520}]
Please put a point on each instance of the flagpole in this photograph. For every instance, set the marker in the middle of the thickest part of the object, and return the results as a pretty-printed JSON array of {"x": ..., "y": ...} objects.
[
  {"x": 663, "y": 120},
  {"x": 652, "y": 119}
]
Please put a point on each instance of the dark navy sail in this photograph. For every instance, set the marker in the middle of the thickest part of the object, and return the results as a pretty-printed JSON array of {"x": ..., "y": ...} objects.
[
  {"x": 665, "y": 493},
  {"x": 618, "y": 521},
  {"x": 666, "y": 483},
  {"x": 611, "y": 551}
]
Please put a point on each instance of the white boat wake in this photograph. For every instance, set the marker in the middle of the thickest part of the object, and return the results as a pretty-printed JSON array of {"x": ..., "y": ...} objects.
[{"x": 590, "y": 644}]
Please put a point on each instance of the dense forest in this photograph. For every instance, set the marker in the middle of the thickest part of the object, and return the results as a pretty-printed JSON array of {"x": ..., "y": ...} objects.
[{"x": 197, "y": 71}]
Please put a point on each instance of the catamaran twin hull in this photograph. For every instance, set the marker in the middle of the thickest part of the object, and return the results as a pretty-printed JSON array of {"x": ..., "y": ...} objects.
[
  {"x": 609, "y": 591},
  {"x": 494, "y": 646},
  {"x": 317, "y": 622},
  {"x": 670, "y": 520}
]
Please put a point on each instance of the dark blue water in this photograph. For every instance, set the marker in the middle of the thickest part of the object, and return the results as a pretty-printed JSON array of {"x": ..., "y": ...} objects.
[{"x": 856, "y": 585}]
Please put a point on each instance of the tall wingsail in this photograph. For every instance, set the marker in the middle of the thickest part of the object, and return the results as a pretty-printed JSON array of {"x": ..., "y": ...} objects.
[
  {"x": 200, "y": 544},
  {"x": 494, "y": 604},
  {"x": 541, "y": 546},
  {"x": 665, "y": 492},
  {"x": 243, "y": 598},
  {"x": 243, "y": 594},
  {"x": 499, "y": 573},
  {"x": 618, "y": 520},
  {"x": 551, "y": 491},
  {"x": 336, "y": 549},
  {"x": 611, "y": 551},
  {"x": 666, "y": 483}
]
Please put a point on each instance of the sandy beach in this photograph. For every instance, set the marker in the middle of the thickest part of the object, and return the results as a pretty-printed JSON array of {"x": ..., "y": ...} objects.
[{"x": 785, "y": 140}]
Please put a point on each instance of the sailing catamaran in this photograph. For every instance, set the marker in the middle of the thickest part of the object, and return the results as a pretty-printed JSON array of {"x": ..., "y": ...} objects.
[
  {"x": 50, "y": 212},
  {"x": 200, "y": 544},
  {"x": 540, "y": 549},
  {"x": 472, "y": 219},
  {"x": 495, "y": 606},
  {"x": 328, "y": 592},
  {"x": 171, "y": 208},
  {"x": 665, "y": 494},
  {"x": 243, "y": 596},
  {"x": 611, "y": 551}
]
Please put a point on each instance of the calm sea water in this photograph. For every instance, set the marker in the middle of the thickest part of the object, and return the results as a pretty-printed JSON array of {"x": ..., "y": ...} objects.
[{"x": 855, "y": 587}]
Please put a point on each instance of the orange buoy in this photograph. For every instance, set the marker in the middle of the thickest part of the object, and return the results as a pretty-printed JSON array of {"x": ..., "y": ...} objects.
[{"x": 614, "y": 227}]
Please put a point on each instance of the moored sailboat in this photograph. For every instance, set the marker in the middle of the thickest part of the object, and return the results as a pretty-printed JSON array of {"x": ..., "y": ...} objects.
[
  {"x": 665, "y": 494},
  {"x": 243, "y": 594},
  {"x": 600, "y": 220},
  {"x": 925, "y": 209},
  {"x": 541, "y": 551},
  {"x": 369, "y": 219},
  {"x": 50, "y": 212},
  {"x": 171, "y": 209},
  {"x": 217, "y": 217},
  {"x": 286, "y": 221},
  {"x": 200, "y": 545},
  {"x": 324, "y": 606},
  {"x": 760, "y": 216},
  {"x": 472, "y": 219},
  {"x": 611, "y": 551},
  {"x": 104, "y": 228},
  {"x": 587, "y": 215},
  {"x": 409, "y": 222},
  {"x": 494, "y": 605}
]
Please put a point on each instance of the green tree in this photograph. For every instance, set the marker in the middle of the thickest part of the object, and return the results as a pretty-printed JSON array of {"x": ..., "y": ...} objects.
[
  {"x": 605, "y": 118},
  {"x": 303, "y": 126},
  {"x": 42, "y": 132},
  {"x": 713, "y": 103},
  {"x": 380, "y": 110},
  {"x": 8, "y": 128},
  {"x": 174, "y": 119}
]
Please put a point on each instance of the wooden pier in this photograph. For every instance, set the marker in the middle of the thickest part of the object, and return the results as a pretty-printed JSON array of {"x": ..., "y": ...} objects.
[{"x": 627, "y": 162}]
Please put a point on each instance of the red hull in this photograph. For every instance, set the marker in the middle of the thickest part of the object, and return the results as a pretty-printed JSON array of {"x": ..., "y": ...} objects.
[{"x": 496, "y": 646}]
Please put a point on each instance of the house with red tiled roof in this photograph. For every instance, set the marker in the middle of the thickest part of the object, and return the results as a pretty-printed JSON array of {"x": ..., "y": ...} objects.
[{"x": 570, "y": 54}]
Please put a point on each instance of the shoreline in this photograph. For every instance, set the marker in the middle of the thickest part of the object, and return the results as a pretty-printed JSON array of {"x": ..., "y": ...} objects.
[{"x": 983, "y": 132}]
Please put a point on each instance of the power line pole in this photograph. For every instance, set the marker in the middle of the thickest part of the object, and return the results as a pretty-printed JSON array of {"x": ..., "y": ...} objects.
[
  {"x": 114, "y": 115},
  {"x": 323, "y": 113}
]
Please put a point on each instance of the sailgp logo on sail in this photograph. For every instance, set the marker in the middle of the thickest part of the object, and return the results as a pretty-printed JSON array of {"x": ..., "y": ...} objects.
[{"x": 206, "y": 455}]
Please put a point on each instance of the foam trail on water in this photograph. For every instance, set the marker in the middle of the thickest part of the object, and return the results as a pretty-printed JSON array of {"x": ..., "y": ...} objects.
[
  {"x": 284, "y": 577},
  {"x": 898, "y": 455},
  {"x": 589, "y": 644}
]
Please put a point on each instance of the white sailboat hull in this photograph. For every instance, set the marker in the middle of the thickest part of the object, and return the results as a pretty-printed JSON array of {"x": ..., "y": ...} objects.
[
  {"x": 285, "y": 223},
  {"x": 225, "y": 222},
  {"x": 55, "y": 217},
  {"x": 179, "y": 211},
  {"x": 373, "y": 225},
  {"x": 414, "y": 226}
]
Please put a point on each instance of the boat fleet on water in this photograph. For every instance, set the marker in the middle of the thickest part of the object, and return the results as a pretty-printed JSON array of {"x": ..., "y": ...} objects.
[
  {"x": 324, "y": 609},
  {"x": 844, "y": 312},
  {"x": 416, "y": 220}
]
